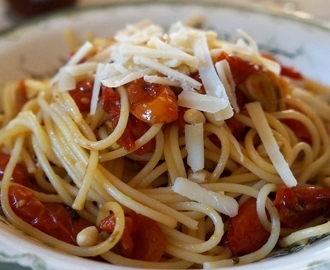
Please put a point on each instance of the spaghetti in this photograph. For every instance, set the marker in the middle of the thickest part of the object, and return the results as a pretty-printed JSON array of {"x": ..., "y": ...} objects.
[{"x": 167, "y": 150}]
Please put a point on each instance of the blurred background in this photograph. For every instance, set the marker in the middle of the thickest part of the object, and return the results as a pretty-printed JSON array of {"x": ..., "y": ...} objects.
[{"x": 16, "y": 11}]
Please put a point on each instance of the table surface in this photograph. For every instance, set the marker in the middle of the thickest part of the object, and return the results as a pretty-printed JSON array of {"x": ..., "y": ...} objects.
[{"x": 319, "y": 9}]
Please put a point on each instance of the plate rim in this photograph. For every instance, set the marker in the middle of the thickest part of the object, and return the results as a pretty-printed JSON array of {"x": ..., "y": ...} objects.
[
  {"x": 117, "y": 3},
  {"x": 272, "y": 11}
]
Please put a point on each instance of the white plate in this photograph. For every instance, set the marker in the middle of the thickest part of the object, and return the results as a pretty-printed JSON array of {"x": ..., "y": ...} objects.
[{"x": 39, "y": 47}]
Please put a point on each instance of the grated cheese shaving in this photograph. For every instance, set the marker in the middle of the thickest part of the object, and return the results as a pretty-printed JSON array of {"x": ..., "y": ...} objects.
[
  {"x": 161, "y": 80},
  {"x": 166, "y": 53},
  {"x": 211, "y": 81},
  {"x": 65, "y": 81},
  {"x": 171, "y": 73},
  {"x": 220, "y": 202},
  {"x": 81, "y": 69},
  {"x": 194, "y": 138},
  {"x": 194, "y": 100},
  {"x": 126, "y": 77},
  {"x": 223, "y": 70},
  {"x": 138, "y": 33},
  {"x": 97, "y": 87},
  {"x": 80, "y": 54}
]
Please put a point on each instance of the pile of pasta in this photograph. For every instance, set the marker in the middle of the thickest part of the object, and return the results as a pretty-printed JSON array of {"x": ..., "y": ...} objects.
[{"x": 167, "y": 149}]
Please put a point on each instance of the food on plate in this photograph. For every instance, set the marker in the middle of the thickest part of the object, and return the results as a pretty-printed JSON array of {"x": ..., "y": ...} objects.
[{"x": 167, "y": 149}]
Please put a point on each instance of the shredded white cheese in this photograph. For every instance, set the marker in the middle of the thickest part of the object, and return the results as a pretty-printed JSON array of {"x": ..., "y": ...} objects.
[
  {"x": 194, "y": 100},
  {"x": 80, "y": 54},
  {"x": 66, "y": 81},
  {"x": 144, "y": 50},
  {"x": 223, "y": 70},
  {"x": 126, "y": 77},
  {"x": 96, "y": 87},
  {"x": 194, "y": 138},
  {"x": 220, "y": 202},
  {"x": 171, "y": 73},
  {"x": 161, "y": 80},
  {"x": 211, "y": 81},
  {"x": 81, "y": 69}
]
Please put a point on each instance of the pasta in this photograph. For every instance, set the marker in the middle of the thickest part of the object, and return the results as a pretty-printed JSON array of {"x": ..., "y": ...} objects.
[{"x": 167, "y": 150}]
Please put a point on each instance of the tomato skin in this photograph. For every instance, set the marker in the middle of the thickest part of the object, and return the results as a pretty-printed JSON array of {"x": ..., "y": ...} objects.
[
  {"x": 180, "y": 120},
  {"x": 236, "y": 127},
  {"x": 299, "y": 130},
  {"x": 54, "y": 219},
  {"x": 133, "y": 131},
  {"x": 20, "y": 174},
  {"x": 135, "y": 127},
  {"x": 82, "y": 94},
  {"x": 299, "y": 205},
  {"x": 246, "y": 233},
  {"x": 152, "y": 103},
  {"x": 291, "y": 72},
  {"x": 142, "y": 238},
  {"x": 110, "y": 100}
]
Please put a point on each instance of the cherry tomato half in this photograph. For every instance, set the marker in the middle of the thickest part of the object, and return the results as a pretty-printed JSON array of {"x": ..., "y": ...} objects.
[
  {"x": 142, "y": 238},
  {"x": 152, "y": 103}
]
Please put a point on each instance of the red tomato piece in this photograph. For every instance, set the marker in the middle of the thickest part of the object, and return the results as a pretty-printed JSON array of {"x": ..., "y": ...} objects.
[
  {"x": 142, "y": 238},
  {"x": 134, "y": 130},
  {"x": 237, "y": 128},
  {"x": 110, "y": 100},
  {"x": 291, "y": 72},
  {"x": 246, "y": 233},
  {"x": 82, "y": 94},
  {"x": 152, "y": 103},
  {"x": 54, "y": 219},
  {"x": 299, "y": 129},
  {"x": 135, "y": 127},
  {"x": 20, "y": 174},
  {"x": 299, "y": 205},
  {"x": 181, "y": 122}
]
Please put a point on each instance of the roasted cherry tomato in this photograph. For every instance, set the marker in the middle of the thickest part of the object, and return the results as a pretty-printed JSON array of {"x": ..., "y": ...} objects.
[
  {"x": 152, "y": 103},
  {"x": 20, "y": 174},
  {"x": 110, "y": 100},
  {"x": 82, "y": 94},
  {"x": 55, "y": 219},
  {"x": 180, "y": 121},
  {"x": 299, "y": 205},
  {"x": 246, "y": 233},
  {"x": 142, "y": 238},
  {"x": 290, "y": 72},
  {"x": 236, "y": 127},
  {"x": 299, "y": 130},
  {"x": 135, "y": 128}
]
